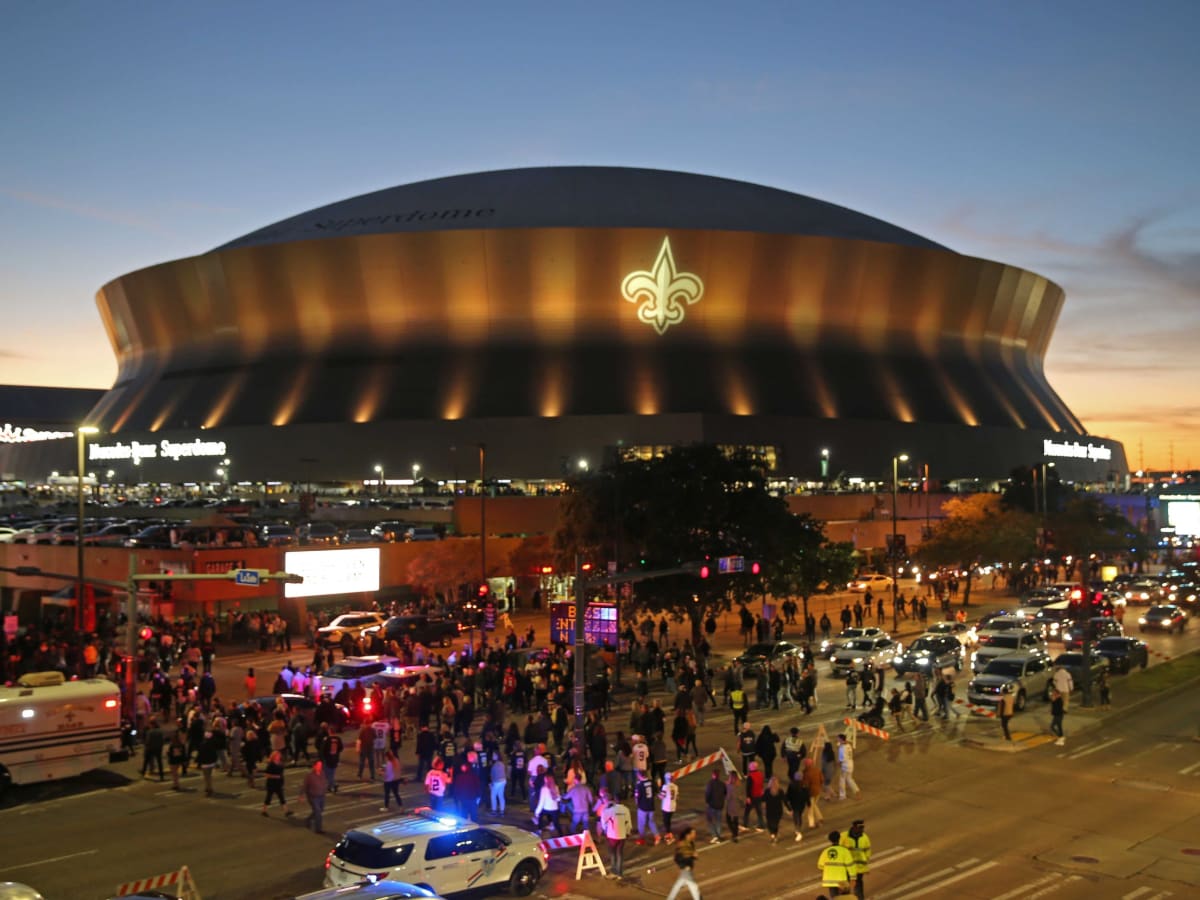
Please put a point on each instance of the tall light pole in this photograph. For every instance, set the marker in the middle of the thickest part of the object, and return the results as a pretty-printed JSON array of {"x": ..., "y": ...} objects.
[
  {"x": 482, "y": 520},
  {"x": 824, "y": 463},
  {"x": 379, "y": 479},
  {"x": 416, "y": 473},
  {"x": 896, "y": 460},
  {"x": 81, "y": 434}
]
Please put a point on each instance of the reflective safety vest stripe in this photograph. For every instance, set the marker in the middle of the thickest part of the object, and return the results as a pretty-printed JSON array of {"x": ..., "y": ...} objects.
[
  {"x": 737, "y": 698},
  {"x": 860, "y": 852},
  {"x": 836, "y": 865}
]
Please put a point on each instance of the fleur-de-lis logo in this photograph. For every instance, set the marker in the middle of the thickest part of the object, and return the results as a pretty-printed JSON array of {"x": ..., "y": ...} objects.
[{"x": 662, "y": 291}]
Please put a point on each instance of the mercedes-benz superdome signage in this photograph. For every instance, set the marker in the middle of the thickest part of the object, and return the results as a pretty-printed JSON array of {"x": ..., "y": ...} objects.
[
  {"x": 16, "y": 434},
  {"x": 164, "y": 449},
  {"x": 1075, "y": 450}
]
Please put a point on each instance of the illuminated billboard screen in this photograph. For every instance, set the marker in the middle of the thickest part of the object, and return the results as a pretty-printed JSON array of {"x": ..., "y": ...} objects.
[
  {"x": 600, "y": 624},
  {"x": 330, "y": 572},
  {"x": 1183, "y": 513}
]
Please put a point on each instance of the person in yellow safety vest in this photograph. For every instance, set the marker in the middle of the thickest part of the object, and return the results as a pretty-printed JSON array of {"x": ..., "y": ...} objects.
[
  {"x": 737, "y": 701},
  {"x": 859, "y": 845},
  {"x": 836, "y": 865}
]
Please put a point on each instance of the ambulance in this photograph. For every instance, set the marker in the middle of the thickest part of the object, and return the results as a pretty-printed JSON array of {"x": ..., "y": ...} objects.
[{"x": 52, "y": 728}]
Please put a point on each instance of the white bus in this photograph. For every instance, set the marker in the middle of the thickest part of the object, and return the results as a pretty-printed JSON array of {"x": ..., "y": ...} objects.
[{"x": 53, "y": 728}]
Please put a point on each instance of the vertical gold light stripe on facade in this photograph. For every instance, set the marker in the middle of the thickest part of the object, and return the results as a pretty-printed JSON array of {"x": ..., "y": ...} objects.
[
  {"x": 552, "y": 389},
  {"x": 294, "y": 396},
  {"x": 230, "y": 393},
  {"x": 645, "y": 389},
  {"x": 370, "y": 395},
  {"x": 458, "y": 392},
  {"x": 738, "y": 399},
  {"x": 165, "y": 412},
  {"x": 895, "y": 395},
  {"x": 955, "y": 397},
  {"x": 818, "y": 383},
  {"x": 464, "y": 316},
  {"x": 552, "y": 276}
]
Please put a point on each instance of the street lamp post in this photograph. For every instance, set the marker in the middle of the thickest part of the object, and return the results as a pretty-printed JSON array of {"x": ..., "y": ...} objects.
[
  {"x": 896, "y": 460},
  {"x": 416, "y": 467},
  {"x": 81, "y": 434},
  {"x": 379, "y": 479},
  {"x": 824, "y": 463}
]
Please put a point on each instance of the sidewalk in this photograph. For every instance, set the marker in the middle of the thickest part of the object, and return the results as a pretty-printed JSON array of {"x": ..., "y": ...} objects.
[{"x": 1031, "y": 728}]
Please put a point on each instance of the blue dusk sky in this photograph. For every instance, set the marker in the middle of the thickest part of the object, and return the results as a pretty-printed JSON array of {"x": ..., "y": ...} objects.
[{"x": 1062, "y": 137}]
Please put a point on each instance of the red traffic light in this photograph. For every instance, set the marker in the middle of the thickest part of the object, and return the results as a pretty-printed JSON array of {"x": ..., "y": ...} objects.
[
  {"x": 547, "y": 570},
  {"x": 145, "y": 634},
  {"x": 755, "y": 567},
  {"x": 704, "y": 571},
  {"x": 484, "y": 590}
]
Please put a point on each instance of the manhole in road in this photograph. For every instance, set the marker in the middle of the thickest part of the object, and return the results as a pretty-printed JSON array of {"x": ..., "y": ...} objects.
[{"x": 1084, "y": 859}]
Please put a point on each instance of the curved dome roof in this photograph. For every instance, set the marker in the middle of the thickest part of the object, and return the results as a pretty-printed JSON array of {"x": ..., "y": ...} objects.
[{"x": 581, "y": 197}]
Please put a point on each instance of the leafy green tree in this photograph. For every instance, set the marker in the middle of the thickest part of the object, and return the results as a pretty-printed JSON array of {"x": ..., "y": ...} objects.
[
  {"x": 803, "y": 562},
  {"x": 693, "y": 503},
  {"x": 978, "y": 528}
]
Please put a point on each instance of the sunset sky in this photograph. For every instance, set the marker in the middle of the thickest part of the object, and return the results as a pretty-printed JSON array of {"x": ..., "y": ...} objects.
[{"x": 1062, "y": 137}]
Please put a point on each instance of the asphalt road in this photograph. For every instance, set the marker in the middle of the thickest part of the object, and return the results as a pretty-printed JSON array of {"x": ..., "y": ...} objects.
[{"x": 1112, "y": 814}]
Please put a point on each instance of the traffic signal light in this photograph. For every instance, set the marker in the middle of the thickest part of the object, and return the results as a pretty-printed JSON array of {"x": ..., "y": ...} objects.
[
  {"x": 547, "y": 570},
  {"x": 484, "y": 590},
  {"x": 146, "y": 633},
  {"x": 754, "y": 567},
  {"x": 705, "y": 571}
]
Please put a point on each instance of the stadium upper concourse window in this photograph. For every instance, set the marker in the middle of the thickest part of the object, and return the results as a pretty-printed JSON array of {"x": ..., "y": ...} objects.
[{"x": 645, "y": 452}]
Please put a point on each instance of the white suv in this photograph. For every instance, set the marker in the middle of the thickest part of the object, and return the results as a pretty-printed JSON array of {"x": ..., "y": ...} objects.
[
  {"x": 441, "y": 852},
  {"x": 1025, "y": 672},
  {"x": 351, "y": 623},
  {"x": 999, "y": 643}
]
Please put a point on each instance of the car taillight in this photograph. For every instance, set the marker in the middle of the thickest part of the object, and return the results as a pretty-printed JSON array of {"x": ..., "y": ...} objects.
[
  {"x": 329, "y": 859},
  {"x": 110, "y": 704}
]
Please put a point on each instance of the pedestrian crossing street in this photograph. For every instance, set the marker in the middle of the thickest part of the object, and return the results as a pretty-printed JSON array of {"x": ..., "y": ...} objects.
[{"x": 897, "y": 873}]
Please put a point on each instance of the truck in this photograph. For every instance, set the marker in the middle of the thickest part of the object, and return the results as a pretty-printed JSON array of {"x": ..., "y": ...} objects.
[{"x": 52, "y": 728}]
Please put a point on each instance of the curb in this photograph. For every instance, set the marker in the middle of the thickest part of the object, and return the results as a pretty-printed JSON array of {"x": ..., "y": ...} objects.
[{"x": 1083, "y": 726}]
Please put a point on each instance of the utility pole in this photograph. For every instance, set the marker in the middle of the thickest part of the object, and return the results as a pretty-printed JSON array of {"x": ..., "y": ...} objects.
[
  {"x": 483, "y": 579},
  {"x": 896, "y": 460}
]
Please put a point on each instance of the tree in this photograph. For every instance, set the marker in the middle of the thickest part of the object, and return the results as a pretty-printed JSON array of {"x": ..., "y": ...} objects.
[
  {"x": 690, "y": 504},
  {"x": 697, "y": 503},
  {"x": 803, "y": 562},
  {"x": 445, "y": 565},
  {"x": 978, "y": 528}
]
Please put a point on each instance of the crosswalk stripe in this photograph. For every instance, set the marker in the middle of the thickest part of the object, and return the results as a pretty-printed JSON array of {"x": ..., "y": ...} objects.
[
  {"x": 983, "y": 867},
  {"x": 1025, "y": 888},
  {"x": 1189, "y": 769},
  {"x": 966, "y": 863},
  {"x": 1090, "y": 750},
  {"x": 1137, "y": 893}
]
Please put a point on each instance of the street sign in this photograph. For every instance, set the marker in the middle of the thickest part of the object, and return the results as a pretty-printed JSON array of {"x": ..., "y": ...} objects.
[
  {"x": 728, "y": 565},
  {"x": 248, "y": 577}
]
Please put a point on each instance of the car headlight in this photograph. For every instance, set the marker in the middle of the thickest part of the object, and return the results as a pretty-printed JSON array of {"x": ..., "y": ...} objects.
[{"x": 1142, "y": 620}]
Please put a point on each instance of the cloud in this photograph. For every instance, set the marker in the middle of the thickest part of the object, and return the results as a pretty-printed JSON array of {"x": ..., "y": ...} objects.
[
  {"x": 11, "y": 354},
  {"x": 112, "y": 217}
]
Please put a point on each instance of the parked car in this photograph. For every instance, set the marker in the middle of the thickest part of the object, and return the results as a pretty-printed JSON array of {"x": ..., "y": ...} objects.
[
  {"x": 839, "y": 640},
  {"x": 1123, "y": 653},
  {"x": 1093, "y": 629},
  {"x": 373, "y": 890},
  {"x": 388, "y": 531},
  {"x": 962, "y": 632},
  {"x": 424, "y": 630},
  {"x": 1026, "y": 672},
  {"x": 1072, "y": 661},
  {"x": 930, "y": 653},
  {"x": 112, "y": 535},
  {"x": 354, "y": 624},
  {"x": 998, "y": 643},
  {"x": 319, "y": 533},
  {"x": 441, "y": 852},
  {"x": 878, "y": 651},
  {"x": 871, "y": 581},
  {"x": 757, "y": 656},
  {"x": 358, "y": 536},
  {"x": 278, "y": 535},
  {"x": 1145, "y": 592},
  {"x": 1166, "y": 617}
]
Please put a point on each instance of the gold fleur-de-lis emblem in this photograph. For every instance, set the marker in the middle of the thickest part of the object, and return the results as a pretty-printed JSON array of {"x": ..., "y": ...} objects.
[{"x": 662, "y": 291}]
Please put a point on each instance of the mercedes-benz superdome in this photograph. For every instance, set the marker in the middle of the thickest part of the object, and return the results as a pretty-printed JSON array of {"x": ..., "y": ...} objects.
[{"x": 558, "y": 314}]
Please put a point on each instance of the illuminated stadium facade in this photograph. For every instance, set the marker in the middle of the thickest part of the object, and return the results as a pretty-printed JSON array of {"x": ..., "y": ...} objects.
[{"x": 557, "y": 314}]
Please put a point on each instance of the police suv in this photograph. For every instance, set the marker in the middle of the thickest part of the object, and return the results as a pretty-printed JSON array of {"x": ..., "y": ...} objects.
[{"x": 438, "y": 851}]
